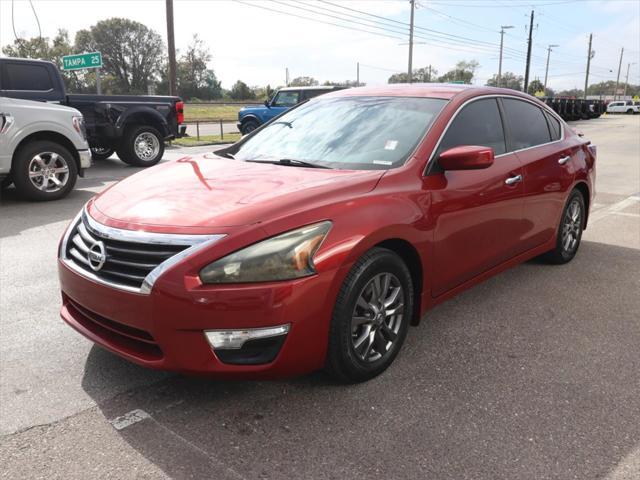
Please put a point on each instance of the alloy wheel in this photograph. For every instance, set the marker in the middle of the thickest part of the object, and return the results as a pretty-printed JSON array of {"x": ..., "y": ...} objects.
[
  {"x": 48, "y": 172},
  {"x": 571, "y": 226},
  {"x": 146, "y": 146},
  {"x": 377, "y": 317}
]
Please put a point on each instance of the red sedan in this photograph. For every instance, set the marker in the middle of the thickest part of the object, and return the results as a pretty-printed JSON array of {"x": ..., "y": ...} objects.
[{"x": 315, "y": 241}]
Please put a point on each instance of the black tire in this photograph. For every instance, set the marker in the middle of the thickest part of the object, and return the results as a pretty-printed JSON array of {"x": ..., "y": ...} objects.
[
  {"x": 6, "y": 182},
  {"x": 129, "y": 154},
  {"x": 630, "y": 111},
  {"x": 347, "y": 362},
  {"x": 99, "y": 153},
  {"x": 248, "y": 126},
  {"x": 25, "y": 163},
  {"x": 565, "y": 248}
]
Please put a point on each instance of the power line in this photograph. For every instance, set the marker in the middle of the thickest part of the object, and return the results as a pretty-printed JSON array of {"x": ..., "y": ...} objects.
[{"x": 37, "y": 19}]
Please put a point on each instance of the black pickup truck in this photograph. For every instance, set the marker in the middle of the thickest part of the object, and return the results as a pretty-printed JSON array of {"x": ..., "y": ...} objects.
[{"x": 134, "y": 126}]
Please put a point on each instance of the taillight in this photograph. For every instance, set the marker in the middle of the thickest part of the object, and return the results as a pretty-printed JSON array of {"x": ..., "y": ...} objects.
[{"x": 180, "y": 112}]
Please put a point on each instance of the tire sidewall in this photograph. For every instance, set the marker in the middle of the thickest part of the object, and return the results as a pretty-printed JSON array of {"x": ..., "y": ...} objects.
[
  {"x": 377, "y": 261},
  {"x": 246, "y": 124},
  {"x": 102, "y": 156},
  {"x": 20, "y": 175}
]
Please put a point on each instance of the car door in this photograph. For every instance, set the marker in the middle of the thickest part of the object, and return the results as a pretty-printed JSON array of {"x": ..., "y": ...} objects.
[
  {"x": 537, "y": 139},
  {"x": 477, "y": 214}
]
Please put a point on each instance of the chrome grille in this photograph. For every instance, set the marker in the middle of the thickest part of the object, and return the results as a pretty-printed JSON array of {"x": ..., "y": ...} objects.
[{"x": 125, "y": 259}]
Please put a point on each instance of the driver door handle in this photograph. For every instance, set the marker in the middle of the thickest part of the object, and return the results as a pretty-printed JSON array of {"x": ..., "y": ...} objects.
[
  {"x": 564, "y": 160},
  {"x": 513, "y": 180}
]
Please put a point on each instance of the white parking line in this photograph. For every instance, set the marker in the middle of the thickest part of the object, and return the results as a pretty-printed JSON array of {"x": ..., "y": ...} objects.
[
  {"x": 616, "y": 208},
  {"x": 128, "y": 419}
]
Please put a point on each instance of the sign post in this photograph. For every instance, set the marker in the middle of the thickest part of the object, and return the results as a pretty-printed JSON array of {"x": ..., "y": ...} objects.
[{"x": 84, "y": 61}]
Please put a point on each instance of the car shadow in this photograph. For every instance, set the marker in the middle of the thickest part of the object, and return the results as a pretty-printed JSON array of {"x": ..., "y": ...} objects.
[{"x": 531, "y": 374}]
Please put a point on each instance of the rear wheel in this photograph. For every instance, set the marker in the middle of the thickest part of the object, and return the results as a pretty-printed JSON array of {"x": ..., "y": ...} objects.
[
  {"x": 101, "y": 153},
  {"x": 44, "y": 170},
  {"x": 569, "y": 230},
  {"x": 142, "y": 146},
  {"x": 249, "y": 126},
  {"x": 371, "y": 317},
  {"x": 630, "y": 111}
]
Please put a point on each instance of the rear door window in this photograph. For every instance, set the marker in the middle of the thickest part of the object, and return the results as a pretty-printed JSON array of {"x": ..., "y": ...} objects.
[
  {"x": 527, "y": 125},
  {"x": 479, "y": 123},
  {"x": 18, "y": 76}
]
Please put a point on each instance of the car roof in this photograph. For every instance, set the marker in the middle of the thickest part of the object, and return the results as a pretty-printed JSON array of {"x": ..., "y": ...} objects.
[{"x": 427, "y": 90}]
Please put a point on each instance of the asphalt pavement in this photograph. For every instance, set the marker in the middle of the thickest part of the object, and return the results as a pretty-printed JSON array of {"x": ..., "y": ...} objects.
[{"x": 533, "y": 374}]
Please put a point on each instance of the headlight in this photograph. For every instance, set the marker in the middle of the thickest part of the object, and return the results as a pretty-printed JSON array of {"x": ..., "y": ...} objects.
[
  {"x": 78, "y": 125},
  {"x": 285, "y": 257}
]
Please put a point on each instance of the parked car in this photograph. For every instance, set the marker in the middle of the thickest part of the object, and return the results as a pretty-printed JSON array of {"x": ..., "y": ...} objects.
[
  {"x": 251, "y": 117},
  {"x": 298, "y": 249},
  {"x": 623, "y": 106},
  {"x": 43, "y": 148},
  {"x": 134, "y": 126}
]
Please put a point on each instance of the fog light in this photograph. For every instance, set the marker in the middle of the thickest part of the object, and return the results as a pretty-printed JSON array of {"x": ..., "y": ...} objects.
[{"x": 235, "y": 339}]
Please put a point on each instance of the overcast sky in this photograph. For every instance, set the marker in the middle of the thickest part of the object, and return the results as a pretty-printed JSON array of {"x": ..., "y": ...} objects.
[{"x": 252, "y": 42}]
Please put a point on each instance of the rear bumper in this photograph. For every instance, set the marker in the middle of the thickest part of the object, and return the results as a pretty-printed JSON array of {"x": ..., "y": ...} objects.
[{"x": 165, "y": 330}]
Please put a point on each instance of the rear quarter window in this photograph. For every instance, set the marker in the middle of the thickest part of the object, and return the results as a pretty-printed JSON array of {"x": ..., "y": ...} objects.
[
  {"x": 554, "y": 127},
  {"x": 17, "y": 76}
]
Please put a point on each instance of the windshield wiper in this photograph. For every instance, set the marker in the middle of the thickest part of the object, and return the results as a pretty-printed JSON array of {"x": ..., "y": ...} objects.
[{"x": 291, "y": 162}]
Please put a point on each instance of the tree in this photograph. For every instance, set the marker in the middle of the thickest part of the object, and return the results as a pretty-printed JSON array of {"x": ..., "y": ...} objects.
[
  {"x": 535, "y": 86},
  {"x": 345, "y": 83},
  {"x": 131, "y": 52},
  {"x": 463, "y": 72},
  {"x": 574, "y": 92},
  {"x": 241, "y": 91},
  {"x": 195, "y": 80},
  {"x": 420, "y": 75},
  {"x": 53, "y": 51},
  {"x": 303, "y": 82},
  {"x": 508, "y": 80}
]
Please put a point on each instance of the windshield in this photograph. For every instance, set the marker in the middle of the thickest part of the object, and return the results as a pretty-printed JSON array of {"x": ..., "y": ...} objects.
[{"x": 345, "y": 132}]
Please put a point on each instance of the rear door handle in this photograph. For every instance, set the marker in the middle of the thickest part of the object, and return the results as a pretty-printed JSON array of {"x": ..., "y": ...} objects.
[
  {"x": 564, "y": 160},
  {"x": 513, "y": 180}
]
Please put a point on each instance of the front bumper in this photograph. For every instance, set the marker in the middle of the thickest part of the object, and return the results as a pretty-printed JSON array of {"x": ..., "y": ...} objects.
[
  {"x": 165, "y": 330},
  {"x": 85, "y": 158}
]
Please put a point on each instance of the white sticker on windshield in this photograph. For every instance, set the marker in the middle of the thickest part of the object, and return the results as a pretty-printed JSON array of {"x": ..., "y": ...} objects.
[
  {"x": 382, "y": 162},
  {"x": 391, "y": 145}
]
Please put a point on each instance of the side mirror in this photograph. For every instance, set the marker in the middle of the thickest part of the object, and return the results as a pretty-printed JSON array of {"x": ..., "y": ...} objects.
[
  {"x": 466, "y": 157},
  {"x": 267, "y": 104}
]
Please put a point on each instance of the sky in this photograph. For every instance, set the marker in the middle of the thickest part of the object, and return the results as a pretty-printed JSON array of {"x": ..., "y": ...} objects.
[{"x": 256, "y": 40}]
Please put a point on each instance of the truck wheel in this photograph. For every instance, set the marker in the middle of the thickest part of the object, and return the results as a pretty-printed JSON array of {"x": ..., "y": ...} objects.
[
  {"x": 44, "y": 170},
  {"x": 630, "y": 111},
  {"x": 101, "y": 153},
  {"x": 248, "y": 127},
  {"x": 143, "y": 146}
]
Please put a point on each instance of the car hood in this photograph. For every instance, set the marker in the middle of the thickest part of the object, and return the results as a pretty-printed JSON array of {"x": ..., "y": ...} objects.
[{"x": 201, "y": 194}]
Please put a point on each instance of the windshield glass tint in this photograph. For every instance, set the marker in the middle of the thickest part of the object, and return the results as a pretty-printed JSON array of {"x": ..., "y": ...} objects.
[{"x": 346, "y": 132}]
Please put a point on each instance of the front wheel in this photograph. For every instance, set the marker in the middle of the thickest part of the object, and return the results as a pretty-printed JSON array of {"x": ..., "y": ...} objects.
[
  {"x": 570, "y": 230},
  {"x": 371, "y": 317},
  {"x": 101, "y": 153},
  {"x": 143, "y": 146},
  {"x": 248, "y": 126},
  {"x": 44, "y": 170}
]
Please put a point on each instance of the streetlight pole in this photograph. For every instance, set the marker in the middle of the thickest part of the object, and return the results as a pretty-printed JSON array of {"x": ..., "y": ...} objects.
[
  {"x": 626, "y": 82},
  {"x": 502, "y": 29},
  {"x": 546, "y": 72}
]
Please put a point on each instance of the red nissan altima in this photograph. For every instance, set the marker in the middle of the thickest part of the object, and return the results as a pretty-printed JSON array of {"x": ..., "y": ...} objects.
[{"x": 315, "y": 241}]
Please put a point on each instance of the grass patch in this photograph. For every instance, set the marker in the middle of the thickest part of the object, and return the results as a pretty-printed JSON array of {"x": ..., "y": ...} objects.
[
  {"x": 204, "y": 113},
  {"x": 206, "y": 140}
]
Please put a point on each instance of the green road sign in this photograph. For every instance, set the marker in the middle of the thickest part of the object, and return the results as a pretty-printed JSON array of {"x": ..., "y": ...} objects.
[
  {"x": 83, "y": 60},
  {"x": 459, "y": 82}
]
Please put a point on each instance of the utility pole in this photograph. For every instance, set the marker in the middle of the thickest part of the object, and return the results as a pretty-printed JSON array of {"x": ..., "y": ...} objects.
[
  {"x": 358, "y": 74},
  {"x": 286, "y": 76},
  {"x": 590, "y": 55},
  {"x": 410, "y": 69},
  {"x": 429, "y": 73},
  {"x": 615, "y": 92},
  {"x": 526, "y": 72},
  {"x": 546, "y": 71},
  {"x": 626, "y": 82},
  {"x": 502, "y": 29},
  {"x": 173, "y": 90}
]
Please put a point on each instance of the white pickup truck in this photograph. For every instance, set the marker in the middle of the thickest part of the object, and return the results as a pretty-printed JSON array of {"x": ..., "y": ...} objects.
[
  {"x": 43, "y": 148},
  {"x": 623, "y": 106}
]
